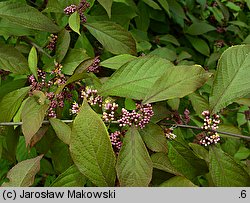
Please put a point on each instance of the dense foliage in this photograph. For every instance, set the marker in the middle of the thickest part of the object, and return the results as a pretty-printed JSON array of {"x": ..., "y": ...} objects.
[{"x": 124, "y": 93}]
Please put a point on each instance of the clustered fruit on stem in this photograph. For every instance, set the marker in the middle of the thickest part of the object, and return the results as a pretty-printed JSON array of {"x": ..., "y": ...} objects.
[
  {"x": 210, "y": 126},
  {"x": 169, "y": 133},
  {"x": 81, "y": 8},
  {"x": 109, "y": 111},
  {"x": 91, "y": 96},
  {"x": 44, "y": 84},
  {"x": 52, "y": 42},
  {"x": 94, "y": 67},
  {"x": 139, "y": 117},
  {"x": 116, "y": 142}
]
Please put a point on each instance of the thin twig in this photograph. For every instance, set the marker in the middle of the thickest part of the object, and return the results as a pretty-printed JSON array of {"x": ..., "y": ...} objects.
[
  {"x": 167, "y": 124},
  {"x": 198, "y": 128},
  {"x": 20, "y": 123},
  {"x": 40, "y": 49}
]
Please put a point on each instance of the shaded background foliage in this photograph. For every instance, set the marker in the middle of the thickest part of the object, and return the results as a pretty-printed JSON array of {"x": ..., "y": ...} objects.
[{"x": 163, "y": 52}]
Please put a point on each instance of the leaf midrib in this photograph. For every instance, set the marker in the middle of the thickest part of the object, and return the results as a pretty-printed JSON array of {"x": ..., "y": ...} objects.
[
  {"x": 216, "y": 158},
  {"x": 128, "y": 82},
  {"x": 107, "y": 35},
  {"x": 29, "y": 170},
  {"x": 174, "y": 84}
]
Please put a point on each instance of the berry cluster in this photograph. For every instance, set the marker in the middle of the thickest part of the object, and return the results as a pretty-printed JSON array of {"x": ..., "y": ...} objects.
[
  {"x": 59, "y": 78},
  {"x": 70, "y": 9},
  {"x": 44, "y": 84},
  {"x": 41, "y": 83},
  {"x": 210, "y": 122},
  {"x": 219, "y": 43},
  {"x": 178, "y": 118},
  {"x": 210, "y": 138},
  {"x": 52, "y": 42},
  {"x": 186, "y": 116},
  {"x": 81, "y": 8},
  {"x": 140, "y": 116},
  {"x": 94, "y": 66},
  {"x": 56, "y": 101},
  {"x": 91, "y": 96},
  {"x": 169, "y": 133},
  {"x": 210, "y": 125},
  {"x": 116, "y": 142},
  {"x": 75, "y": 108},
  {"x": 109, "y": 111}
]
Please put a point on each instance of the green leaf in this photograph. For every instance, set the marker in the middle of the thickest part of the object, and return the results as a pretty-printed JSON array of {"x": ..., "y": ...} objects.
[
  {"x": 242, "y": 153},
  {"x": 200, "y": 28},
  {"x": 217, "y": 13},
  {"x": 160, "y": 112},
  {"x": 113, "y": 37},
  {"x": 11, "y": 103},
  {"x": 9, "y": 28},
  {"x": 161, "y": 162},
  {"x": 106, "y": 4},
  {"x": 200, "y": 151},
  {"x": 178, "y": 181},
  {"x": 1, "y": 146},
  {"x": 11, "y": 85},
  {"x": 136, "y": 78},
  {"x": 203, "y": 3},
  {"x": 164, "y": 5},
  {"x": 62, "y": 45},
  {"x": 199, "y": 103},
  {"x": 116, "y": 62},
  {"x": 233, "y": 6},
  {"x": 142, "y": 20},
  {"x": 32, "y": 61},
  {"x": 232, "y": 77},
  {"x": 73, "y": 59},
  {"x": 62, "y": 130},
  {"x": 176, "y": 8},
  {"x": 169, "y": 38},
  {"x": 23, "y": 174},
  {"x": 84, "y": 43},
  {"x": 200, "y": 45},
  {"x": 183, "y": 55},
  {"x": 174, "y": 103},
  {"x": 225, "y": 171},
  {"x": 32, "y": 116},
  {"x": 177, "y": 82},
  {"x": 239, "y": 23},
  {"x": 60, "y": 156},
  {"x": 22, "y": 152},
  {"x": 134, "y": 166},
  {"x": 73, "y": 78},
  {"x": 10, "y": 139},
  {"x": 26, "y": 16},
  {"x": 130, "y": 104},
  {"x": 185, "y": 161},
  {"x": 152, "y": 4},
  {"x": 70, "y": 178},
  {"x": 91, "y": 148},
  {"x": 248, "y": 3},
  {"x": 121, "y": 14},
  {"x": 12, "y": 60},
  {"x": 154, "y": 138},
  {"x": 74, "y": 22},
  {"x": 165, "y": 53}
]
